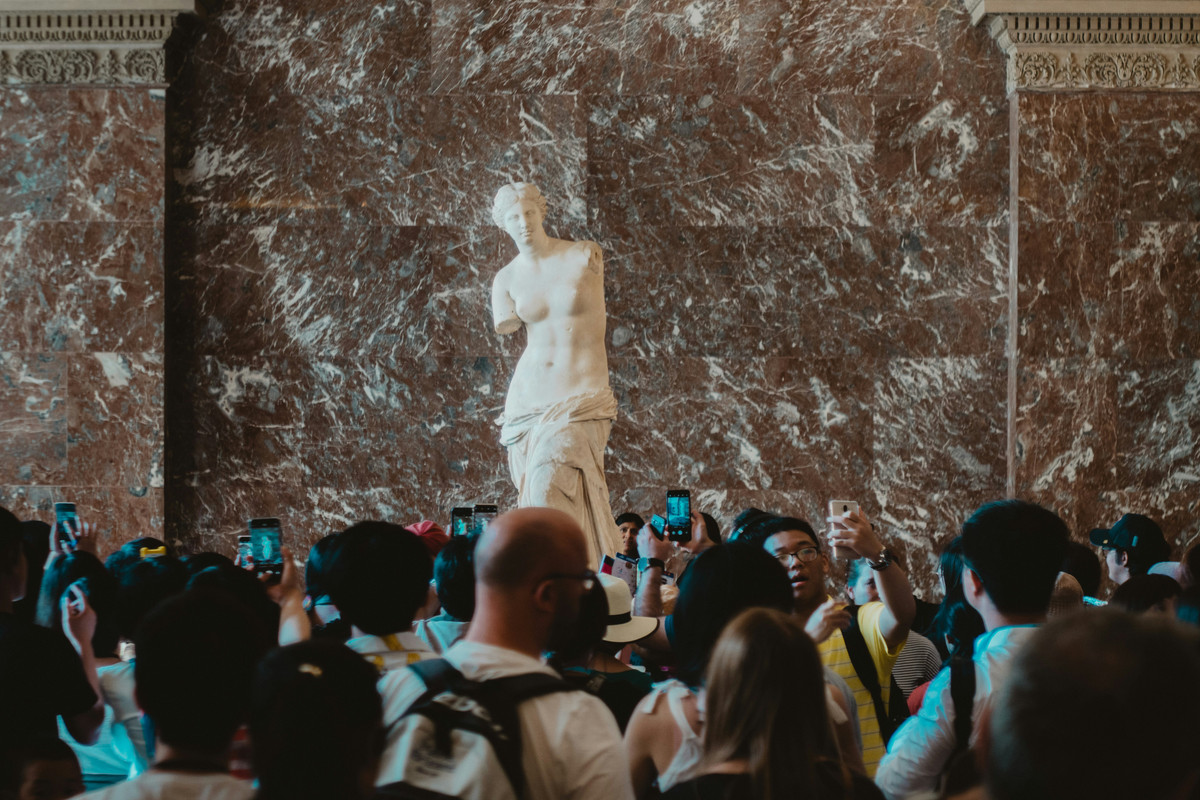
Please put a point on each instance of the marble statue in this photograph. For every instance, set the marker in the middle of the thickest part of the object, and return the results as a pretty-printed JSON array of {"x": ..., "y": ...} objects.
[{"x": 559, "y": 409}]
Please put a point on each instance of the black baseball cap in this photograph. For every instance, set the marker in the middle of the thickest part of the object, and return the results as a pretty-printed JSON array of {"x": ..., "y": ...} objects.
[{"x": 1132, "y": 532}]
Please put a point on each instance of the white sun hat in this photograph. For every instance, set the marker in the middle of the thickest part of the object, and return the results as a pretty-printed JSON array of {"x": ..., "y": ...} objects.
[{"x": 623, "y": 627}]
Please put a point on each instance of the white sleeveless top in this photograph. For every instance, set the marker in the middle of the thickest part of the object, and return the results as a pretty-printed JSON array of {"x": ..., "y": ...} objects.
[{"x": 687, "y": 757}]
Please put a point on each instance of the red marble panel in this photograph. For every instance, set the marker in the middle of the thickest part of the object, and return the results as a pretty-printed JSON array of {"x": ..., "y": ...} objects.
[
  {"x": 34, "y": 169},
  {"x": 1069, "y": 157},
  {"x": 115, "y": 148},
  {"x": 336, "y": 290},
  {"x": 1065, "y": 289},
  {"x": 934, "y": 290},
  {"x": 1067, "y": 435},
  {"x": 119, "y": 514},
  {"x": 911, "y": 47},
  {"x": 942, "y": 159},
  {"x": 371, "y": 159},
  {"x": 939, "y": 424},
  {"x": 678, "y": 47},
  {"x": 525, "y": 46},
  {"x": 1158, "y": 438},
  {"x": 33, "y": 418},
  {"x": 730, "y": 161},
  {"x": 115, "y": 420},
  {"x": 81, "y": 286},
  {"x": 1126, "y": 290},
  {"x": 1159, "y": 157},
  {"x": 254, "y": 48}
]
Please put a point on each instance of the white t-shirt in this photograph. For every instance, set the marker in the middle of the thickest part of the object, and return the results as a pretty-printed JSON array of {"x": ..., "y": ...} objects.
[
  {"x": 441, "y": 632},
  {"x": 571, "y": 746},
  {"x": 155, "y": 785}
]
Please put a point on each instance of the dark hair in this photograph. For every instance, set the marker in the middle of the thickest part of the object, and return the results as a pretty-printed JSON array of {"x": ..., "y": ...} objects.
[
  {"x": 195, "y": 663},
  {"x": 1136, "y": 677},
  {"x": 955, "y": 621},
  {"x": 379, "y": 577},
  {"x": 767, "y": 528},
  {"x": 1142, "y": 558},
  {"x": 100, "y": 588},
  {"x": 1016, "y": 548},
  {"x": 11, "y": 541},
  {"x": 316, "y": 570},
  {"x": 244, "y": 587},
  {"x": 37, "y": 547},
  {"x": 588, "y": 631},
  {"x": 746, "y": 525},
  {"x": 316, "y": 722},
  {"x": 142, "y": 585},
  {"x": 1145, "y": 593},
  {"x": 454, "y": 577},
  {"x": 131, "y": 553},
  {"x": 15, "y": 760},
  {"x": 198, "y": 562},
  {"x": 718, "y": 584},
  {"x": 711, "y": 527},
  {"x": 1082, "y": 563},
  {"x": 1189, "y": 568},
  {"x": 629, "y": 516}
]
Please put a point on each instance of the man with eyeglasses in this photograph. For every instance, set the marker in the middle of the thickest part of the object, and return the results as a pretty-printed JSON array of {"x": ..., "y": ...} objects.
[
  {"x": 883, "y": 625},
  {"x": 531, "y": 570}
]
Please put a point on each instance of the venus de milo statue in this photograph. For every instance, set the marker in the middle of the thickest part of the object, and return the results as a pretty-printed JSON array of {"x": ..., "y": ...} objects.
[{"x": 560, "y": 408}]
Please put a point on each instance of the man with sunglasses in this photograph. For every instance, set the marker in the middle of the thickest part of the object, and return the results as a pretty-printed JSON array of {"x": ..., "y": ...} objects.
[
  {"x": 531, "y": 570},
  {"x": 882, "y": 625}
]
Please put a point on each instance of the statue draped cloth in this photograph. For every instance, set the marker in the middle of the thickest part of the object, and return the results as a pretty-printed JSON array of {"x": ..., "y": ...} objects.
[{"x": 556, "y": 460}]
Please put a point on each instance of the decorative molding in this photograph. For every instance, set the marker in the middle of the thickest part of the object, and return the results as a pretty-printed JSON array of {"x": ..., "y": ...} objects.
[
  {"x": 86, "y": 46},
  {"x": 1147, "y": 45}
]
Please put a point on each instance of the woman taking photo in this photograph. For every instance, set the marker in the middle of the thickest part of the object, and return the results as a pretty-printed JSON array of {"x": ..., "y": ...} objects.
[{"x": 766, "y": 732}]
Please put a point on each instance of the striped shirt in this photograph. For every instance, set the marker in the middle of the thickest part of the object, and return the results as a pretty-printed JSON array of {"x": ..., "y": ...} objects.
[{"x": 834, "y": 655}]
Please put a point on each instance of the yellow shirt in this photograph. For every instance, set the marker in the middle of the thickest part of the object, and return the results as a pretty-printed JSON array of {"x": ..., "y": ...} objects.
[{"x": 834, "y": 655}]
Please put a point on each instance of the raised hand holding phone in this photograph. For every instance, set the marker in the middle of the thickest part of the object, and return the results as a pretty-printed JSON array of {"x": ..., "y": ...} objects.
[
  {"x": 78, "y": 617},
  {"x": 853, "y": 536}
]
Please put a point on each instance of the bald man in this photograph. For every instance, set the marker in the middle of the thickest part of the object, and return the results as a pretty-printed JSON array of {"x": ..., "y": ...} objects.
[{"x": 531, "y": 569}]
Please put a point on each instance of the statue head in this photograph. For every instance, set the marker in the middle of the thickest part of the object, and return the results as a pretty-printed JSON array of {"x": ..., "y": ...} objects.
[{"x": 515, "y": 192}]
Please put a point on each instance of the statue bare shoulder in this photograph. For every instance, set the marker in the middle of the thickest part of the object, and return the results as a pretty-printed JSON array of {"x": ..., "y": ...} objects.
[{"x": 595, "y": 259}]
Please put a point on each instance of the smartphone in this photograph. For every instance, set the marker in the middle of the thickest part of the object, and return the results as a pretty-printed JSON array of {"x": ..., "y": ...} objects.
[
  {"x": 266, "y": 537},
  {"x": 625, "y": 568},
  {"x": 64, "y": 513},
  {"x": 679, "y": 515},
  {"x": 484, "y": 514},
  {"x": 840, "y": 508},
  {"x": 659, "y": 524},
  {"x": 244, "y": 554},
  {"x": 461, "y": 520}
]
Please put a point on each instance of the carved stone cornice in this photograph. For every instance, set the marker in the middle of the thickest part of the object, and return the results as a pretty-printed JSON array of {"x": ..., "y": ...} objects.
[
  {"x": 86, "y": 42},
  {"x": 1099, "y": 44}
]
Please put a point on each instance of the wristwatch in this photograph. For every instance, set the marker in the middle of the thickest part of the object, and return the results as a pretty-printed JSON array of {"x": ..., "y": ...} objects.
[
  {"x": 885, "y": 557},
  {"x": 646, "y": 563}
]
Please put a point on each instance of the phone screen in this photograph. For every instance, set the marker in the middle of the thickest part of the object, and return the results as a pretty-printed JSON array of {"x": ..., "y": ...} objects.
[
  {"x": 64, "y": 513},
  {"x": 484, "y": 514},
  {"x": 266, "y": 536},
  {"x": 461, "y": 521},
  {"x": 243, "y": 550},
  {"x": 679, "y": 509}
]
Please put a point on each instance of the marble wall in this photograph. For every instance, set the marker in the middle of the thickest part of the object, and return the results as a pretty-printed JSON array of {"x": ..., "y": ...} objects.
[
  {"x": 803, "y": 209},
  {"x": 81, "y": 293},
  {"x": 1107, "y": 377}
]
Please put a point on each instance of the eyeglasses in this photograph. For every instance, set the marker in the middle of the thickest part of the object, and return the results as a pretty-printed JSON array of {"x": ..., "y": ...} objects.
[
  {"x": 587, "y": 578},
  {"x": 804, "y": 554}
]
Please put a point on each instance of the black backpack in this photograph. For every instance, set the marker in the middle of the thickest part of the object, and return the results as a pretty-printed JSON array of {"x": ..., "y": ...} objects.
[
  {"x": 462, "y": 738},
  {"x": 896, "y": 710}
]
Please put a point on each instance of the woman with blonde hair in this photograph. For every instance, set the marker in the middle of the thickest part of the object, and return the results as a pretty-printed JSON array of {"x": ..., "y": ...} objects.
[{"x": 766, "y": 732}]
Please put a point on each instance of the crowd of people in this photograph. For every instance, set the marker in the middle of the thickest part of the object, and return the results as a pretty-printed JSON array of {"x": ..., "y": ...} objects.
[{"x": 766, "y": 660}]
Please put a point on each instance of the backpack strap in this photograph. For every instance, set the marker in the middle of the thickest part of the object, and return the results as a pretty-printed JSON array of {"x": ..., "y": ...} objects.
[
  {"x": 962, "y": 693},
  {"x": 888, "y": 715}
]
